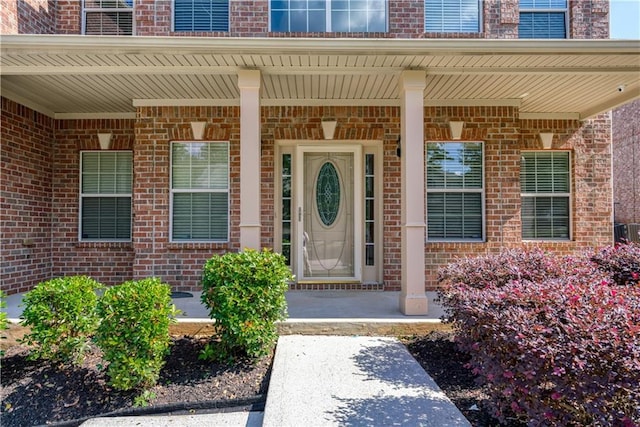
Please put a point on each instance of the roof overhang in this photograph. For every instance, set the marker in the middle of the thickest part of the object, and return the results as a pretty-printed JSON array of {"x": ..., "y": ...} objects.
[{"x": 100, "y": 77}]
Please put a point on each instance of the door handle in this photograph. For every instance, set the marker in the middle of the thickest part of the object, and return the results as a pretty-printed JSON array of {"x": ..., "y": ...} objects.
[{"x": 299, "y": 213}]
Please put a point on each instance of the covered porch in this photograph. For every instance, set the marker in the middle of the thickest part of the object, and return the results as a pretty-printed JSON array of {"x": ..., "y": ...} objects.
[{"x": 269, "y": 97}]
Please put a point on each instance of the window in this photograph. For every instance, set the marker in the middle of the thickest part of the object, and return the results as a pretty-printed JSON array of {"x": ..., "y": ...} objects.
[
  {"x": 108, "y": 17},
  {"x": 452, "y": 16},
  {"x": 543, "y": 19},
  {"x": 105, "y": 195},
  {"x": 328, "y": 15},
  {"x": 369, "y": 215},
  {"x": 201, "y": 15},
  {"x": 200, "y": 191},
  {"x": 286, "y": 207},
  {"x": 455, "y": 191},
  {"x": 545, "y": 186}
]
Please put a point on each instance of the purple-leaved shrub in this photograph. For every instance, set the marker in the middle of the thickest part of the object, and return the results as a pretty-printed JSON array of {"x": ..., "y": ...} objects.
[
  {"x": 557, "y": 346},
  {"x": 621, "y": 261}
]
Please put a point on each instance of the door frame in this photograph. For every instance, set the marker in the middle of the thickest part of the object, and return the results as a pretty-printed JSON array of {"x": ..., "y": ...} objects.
[{"x": 358, "y": 218}]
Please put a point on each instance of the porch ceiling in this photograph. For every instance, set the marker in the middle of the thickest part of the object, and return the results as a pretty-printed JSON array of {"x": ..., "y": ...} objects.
[{"x": 86, "y": 76}]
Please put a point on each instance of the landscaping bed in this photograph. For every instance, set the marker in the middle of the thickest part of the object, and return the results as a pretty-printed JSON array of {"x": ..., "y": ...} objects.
[{"x": 39, "y": 392}]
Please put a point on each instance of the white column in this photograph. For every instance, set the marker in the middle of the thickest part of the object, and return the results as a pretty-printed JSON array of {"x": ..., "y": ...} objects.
[
  {"x": 249, "y": 84},
  {"x": 413, "y": 299}
]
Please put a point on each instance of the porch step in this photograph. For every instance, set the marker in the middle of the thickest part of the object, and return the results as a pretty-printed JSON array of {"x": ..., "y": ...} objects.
[{"x": 340, "y": 327}]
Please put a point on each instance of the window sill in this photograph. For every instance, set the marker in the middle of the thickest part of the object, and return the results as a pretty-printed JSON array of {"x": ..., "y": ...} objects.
[
  {"x": 105, "y": 244},
  {"x": 176, "y": 246}
]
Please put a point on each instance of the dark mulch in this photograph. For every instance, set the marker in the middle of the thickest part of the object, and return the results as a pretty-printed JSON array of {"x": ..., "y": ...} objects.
[
  {"x": 438, "y": 355},
  {"x": 39, "y": 392}
]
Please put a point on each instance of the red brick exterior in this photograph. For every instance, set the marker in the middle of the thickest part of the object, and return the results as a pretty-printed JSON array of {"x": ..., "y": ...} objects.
[
  {"x": 109, "y": 263},
  {"x": 626, "y": 163},
  {"x": 40, "y": 157},
  {"x": 26, "y": 166},
  {"x": 250, "y": 18}
]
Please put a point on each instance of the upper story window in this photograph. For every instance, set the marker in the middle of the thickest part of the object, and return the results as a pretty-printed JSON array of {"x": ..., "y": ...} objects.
[
  {"x": 201, "y": 15},
  {"x": 108, "y": 17},
  {"x": 455, "y": 191},
  {"x": 452, "y": 16},
  {"x": 545, "y": 186},
  {"x": 543, "y": 19},
  {"x": 328, "y": 16},
  {"x": 199, "y": 191},
  {"x": 105, "y": 195}
]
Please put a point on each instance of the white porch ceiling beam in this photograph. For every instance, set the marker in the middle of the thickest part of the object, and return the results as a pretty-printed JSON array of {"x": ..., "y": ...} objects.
[{"x": 49, "y": 70}]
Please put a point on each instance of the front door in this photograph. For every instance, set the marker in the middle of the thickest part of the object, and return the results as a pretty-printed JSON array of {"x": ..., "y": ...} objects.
[{"x": 328, "y": 213}]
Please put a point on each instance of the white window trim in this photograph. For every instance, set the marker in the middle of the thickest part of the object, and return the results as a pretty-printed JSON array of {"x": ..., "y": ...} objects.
[
  {"x": 480, "y": 20},
  {"x": 482, "y": 192},
  {"x": 173, "y": 191},
  {"x": 83, "y": 23},
  {"x": 82, "y": 195},
  {"x": 569, "y": 195},
  {"x": 329, "y": 27}
]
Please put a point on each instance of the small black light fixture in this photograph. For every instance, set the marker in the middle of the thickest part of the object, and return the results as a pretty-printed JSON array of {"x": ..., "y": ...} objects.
[{"x": 398, "y": 149}]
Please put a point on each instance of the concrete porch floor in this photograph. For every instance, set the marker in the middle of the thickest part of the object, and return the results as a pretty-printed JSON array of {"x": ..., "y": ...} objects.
[{"x": 311, "y": 313}]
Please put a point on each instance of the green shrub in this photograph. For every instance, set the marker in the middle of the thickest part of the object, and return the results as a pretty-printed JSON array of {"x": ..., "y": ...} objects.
[
  {"x": 245, "y": 294},
  {"x": 134, "y": 331},
  {"x": 62, "y": 316}
]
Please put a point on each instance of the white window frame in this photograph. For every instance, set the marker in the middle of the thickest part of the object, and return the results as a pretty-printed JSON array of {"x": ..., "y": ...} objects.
[
  {"x": 173, "y": 20},
  {"x": 480, "y": 19},
  {"x": 564, "y": 10},
  {"x": 481, "y": 191},
  {"x": 83, "y": 195},
  {"x": 109, "y": 9},
  {"x": 328, "y": 23},
  {"x": 568, "y": 195},
  {"x": 173, "y": 191}
]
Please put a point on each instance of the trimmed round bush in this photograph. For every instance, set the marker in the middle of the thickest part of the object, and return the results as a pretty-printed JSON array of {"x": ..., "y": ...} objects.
[
  {"x": 134, "y": 332},
  {"x": 245, "y": 295},
  {"x": 61, "y": 315}
]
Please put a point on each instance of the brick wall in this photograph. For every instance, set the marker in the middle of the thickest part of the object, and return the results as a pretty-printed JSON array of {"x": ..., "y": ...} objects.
[
  {"x": 589, "y": 19},
  {"x": 108, "y": 263},
  {"x": 626, "y": 163},
  {"x": 179, "y": 264},
  {"x": 504, "y": 136},
  {"x": 25, "y": 202},
  {"x": 250, "y": 18},
  {"x": 27, "y": 17}
]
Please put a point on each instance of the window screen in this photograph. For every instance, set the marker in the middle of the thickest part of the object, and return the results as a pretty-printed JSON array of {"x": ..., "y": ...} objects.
[
  {"x": 201, "y": 15},
  {"x": 460, "y": 16},
  {"x": 545, "y": 187},
  {"x": 543, "y": 19},
  {"x": 105, "y": 195},
  {"x": 200, "y": 191},
  {"x": 108, "y": 17},
  {"x": 455, "y": 190}
]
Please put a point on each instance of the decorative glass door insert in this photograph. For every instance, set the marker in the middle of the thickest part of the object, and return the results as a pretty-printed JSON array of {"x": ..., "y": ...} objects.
[{"x": 327, "y": 212}]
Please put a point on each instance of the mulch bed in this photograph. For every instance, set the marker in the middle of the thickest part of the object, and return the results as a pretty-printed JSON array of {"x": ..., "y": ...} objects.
[{"x": 39, "y": 392}]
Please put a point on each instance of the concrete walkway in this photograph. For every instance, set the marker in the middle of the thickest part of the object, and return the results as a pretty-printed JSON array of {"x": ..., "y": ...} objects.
[
  {"x": 353, "y": 381},
  {"x": 321, "y": 381},
  {"x": 330, "y": 368}
]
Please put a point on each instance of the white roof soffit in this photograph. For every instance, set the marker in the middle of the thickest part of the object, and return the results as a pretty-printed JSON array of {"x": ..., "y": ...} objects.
[{"x": 95, "y": 76}]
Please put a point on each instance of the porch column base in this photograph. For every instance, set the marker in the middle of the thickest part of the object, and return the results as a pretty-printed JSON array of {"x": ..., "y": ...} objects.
[
  {"x": 413, "y": 304},
  {"x": 250, "y": 236}
]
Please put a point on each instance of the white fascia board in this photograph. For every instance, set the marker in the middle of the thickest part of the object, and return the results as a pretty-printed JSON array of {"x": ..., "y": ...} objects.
[{"x": 270, "y": 45}]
